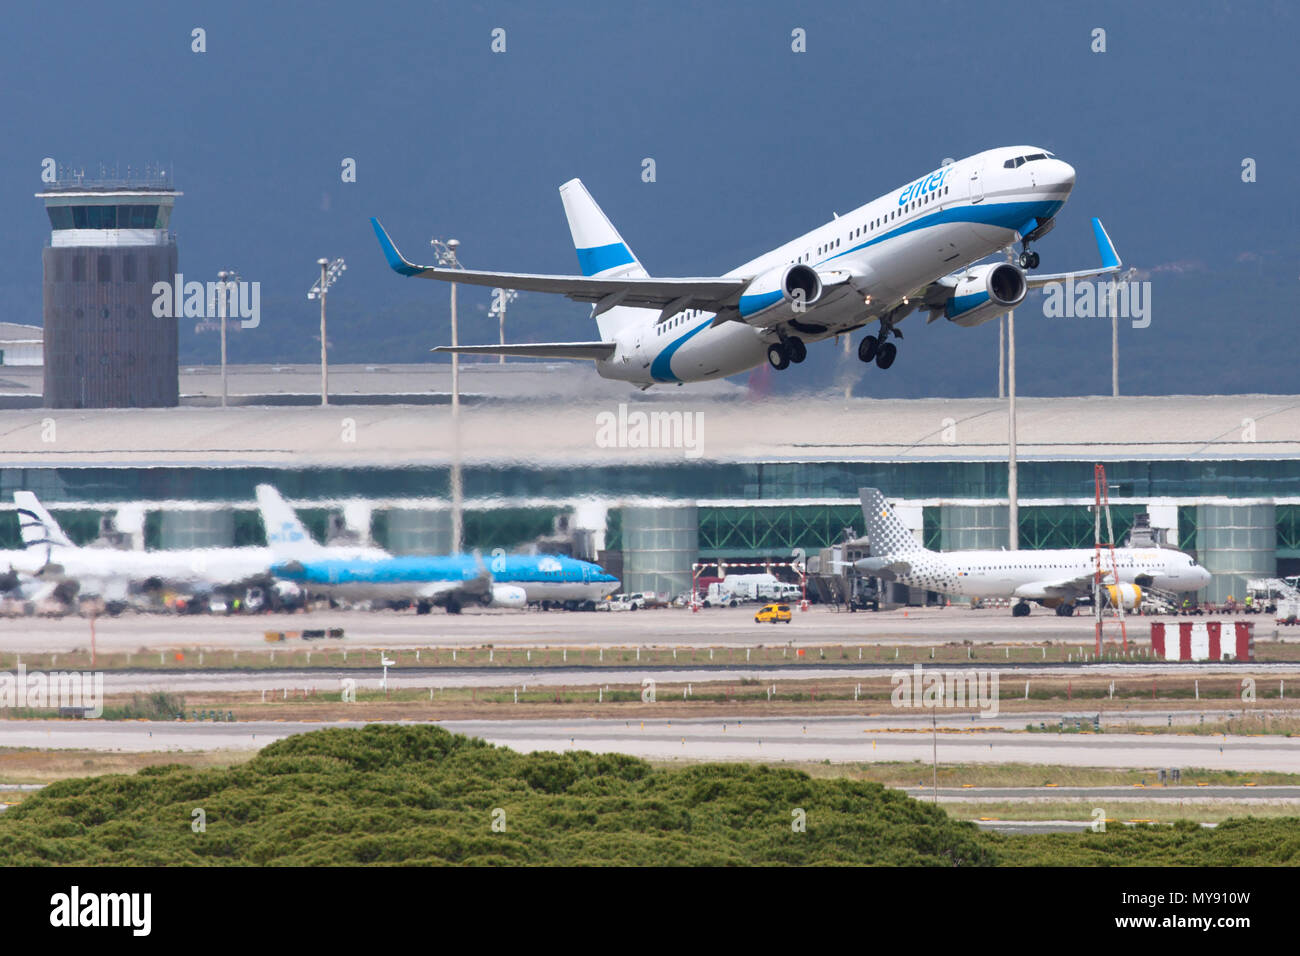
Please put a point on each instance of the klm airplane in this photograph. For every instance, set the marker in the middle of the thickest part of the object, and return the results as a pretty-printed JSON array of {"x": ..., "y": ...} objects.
[
  {"x": 917, "y": 248},
  {"x": 451, "y": 581},
  {"x": 455, "y": 580}
]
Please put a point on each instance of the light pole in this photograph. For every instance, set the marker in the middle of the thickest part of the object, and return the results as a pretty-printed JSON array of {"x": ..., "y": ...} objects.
[
  {"x": 1115, "y": 282},
  {"x": 1013, "y": 489},
  {"x": 446, "y": 255},
  {"x": 224, "y": 278},
  {"x": 500, "y": 299},
  {"x": 1002, "y": 357},
  {"x": 329, "y": 274}
]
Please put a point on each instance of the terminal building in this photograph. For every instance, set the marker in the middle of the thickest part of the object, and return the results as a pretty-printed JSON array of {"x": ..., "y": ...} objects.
[
  {"x": 667, "y": 480},
  {"x": 109, "y": 244}
]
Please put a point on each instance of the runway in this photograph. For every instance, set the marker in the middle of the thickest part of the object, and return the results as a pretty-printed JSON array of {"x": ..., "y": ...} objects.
[
  {"x": 660, "y": 627},
  {"x": 767, "y": 740},
  {"x": 327, "y": 679},
  {"x": 1179, "y": 793}
]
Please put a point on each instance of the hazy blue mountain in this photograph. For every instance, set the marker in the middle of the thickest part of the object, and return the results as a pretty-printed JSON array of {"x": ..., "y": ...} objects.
[{"x": 753, "y": 143}]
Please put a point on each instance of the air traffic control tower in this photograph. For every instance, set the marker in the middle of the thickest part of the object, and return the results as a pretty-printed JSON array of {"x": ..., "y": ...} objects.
[{"x": 109, "y": 245}]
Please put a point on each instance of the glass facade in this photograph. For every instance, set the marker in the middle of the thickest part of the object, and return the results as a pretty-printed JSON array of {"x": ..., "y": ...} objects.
[
  {"x": 213, "y": 528},
  {"x": 1235, "y": 543},
  {"x": 659, "y": 547},
  {"x": 756, "y": 481},
  {"x": 133, "y": 216},
  {"x": 771, "y": 531},
  {"x": 972, "y": 527},
  {"x": 768, "y": 527}
]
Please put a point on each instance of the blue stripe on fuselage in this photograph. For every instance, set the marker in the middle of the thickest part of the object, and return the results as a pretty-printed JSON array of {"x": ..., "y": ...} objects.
[
  {"x": 661, "y": 370},
  {"x": 1007, "y": 215}
]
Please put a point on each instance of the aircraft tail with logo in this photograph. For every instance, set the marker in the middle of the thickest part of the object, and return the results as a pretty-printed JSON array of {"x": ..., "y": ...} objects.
[
  {"x": 286, "y": 536},
  {"x": 37, "y": 526},
  {"x": 886, "y": 532}
]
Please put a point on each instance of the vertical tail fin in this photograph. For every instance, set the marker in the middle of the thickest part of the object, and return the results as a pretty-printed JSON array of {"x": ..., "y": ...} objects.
[
  {"x": 37, "y": 525},
  {"x": 285, "y": 534},
  {"x": 886, "y": 532},
  {"x": 601, "y": 250}
]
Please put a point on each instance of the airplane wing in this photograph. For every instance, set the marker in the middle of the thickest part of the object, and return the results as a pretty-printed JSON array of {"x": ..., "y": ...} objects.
[
  {"x": 935, "y": 296},
  {"x": 1068, "y": 587},
  {"x": 550, "y": 350},
  {"x": 708, "y": 294},
  {"x": 1110, "y": 261}
]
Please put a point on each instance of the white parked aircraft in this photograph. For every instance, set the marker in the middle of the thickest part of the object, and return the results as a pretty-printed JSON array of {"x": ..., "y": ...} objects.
[
  {"x": 1053, "y": 578},
  {"x": 111, "y": 574},
  {"x": 914, "y": 248}
]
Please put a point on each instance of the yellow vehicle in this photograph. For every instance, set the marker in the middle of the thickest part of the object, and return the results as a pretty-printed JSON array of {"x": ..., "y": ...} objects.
[{"x": 773, "y": 613}]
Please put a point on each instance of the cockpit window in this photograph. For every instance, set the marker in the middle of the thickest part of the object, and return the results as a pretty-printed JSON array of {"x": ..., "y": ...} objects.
[{"x": 1021, "y": 160}]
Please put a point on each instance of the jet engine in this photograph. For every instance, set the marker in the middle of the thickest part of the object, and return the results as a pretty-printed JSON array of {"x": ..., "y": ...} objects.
[
  {"x": 785, "y": 291},
  {"x": 506, "y": 595},
  {"x": 1128, "y": 596},
  {"x": 986, "y": 292}
]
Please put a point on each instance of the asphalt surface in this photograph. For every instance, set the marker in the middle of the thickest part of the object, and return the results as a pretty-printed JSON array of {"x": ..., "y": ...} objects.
[
  {"x": 662, "y": 627},
  {"x": 838, "y": 739},
  {"x": 324, "y": 679},
  {"x": 1151, "y": 791}
]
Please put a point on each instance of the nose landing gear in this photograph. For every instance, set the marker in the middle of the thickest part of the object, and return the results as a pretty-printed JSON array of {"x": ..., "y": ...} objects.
[{"x": 1028, "y": 260}]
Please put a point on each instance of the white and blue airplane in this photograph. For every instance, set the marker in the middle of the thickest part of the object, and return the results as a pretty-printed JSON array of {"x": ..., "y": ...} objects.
[
  {"x": 917, "y": 247},
  {"x": 451, "y": 581}
]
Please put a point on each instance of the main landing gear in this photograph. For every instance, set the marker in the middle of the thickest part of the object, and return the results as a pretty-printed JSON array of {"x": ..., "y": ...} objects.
[
  {"x": 1020, "y": 610},
  {"x": 781, "y": 354},
  {"x": 1028, "y": 260},
  {"x": 880, "y": 348}
]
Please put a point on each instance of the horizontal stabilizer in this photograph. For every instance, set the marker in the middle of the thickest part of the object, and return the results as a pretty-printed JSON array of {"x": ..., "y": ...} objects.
[{"x": 553, "y": 350}]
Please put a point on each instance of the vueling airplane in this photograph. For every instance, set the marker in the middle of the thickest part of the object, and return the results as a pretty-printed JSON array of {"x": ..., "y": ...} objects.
[
  {"x": 1056, "y": 578},
  {"x": 915, "y": 248}
]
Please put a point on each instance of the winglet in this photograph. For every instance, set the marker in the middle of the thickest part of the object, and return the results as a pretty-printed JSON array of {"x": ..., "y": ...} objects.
[
  {"x": 1105, "y": 248},
  {"x": 396, "y": 261}
]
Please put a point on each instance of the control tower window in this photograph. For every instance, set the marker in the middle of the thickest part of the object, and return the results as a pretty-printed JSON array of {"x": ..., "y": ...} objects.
[
  {"x": 137, "y": 217},
  {"x": 60, "y": 217}
]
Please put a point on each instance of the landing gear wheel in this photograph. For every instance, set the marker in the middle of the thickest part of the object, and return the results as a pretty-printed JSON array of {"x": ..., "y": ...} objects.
[
  {"x": 867, "y": 348},
  {"x": 798, "y": 351},
  {"x": 886, "y": 354},
  {"x": 1065, "y": 610},
  {"x": 778, "y": 356},
  {"x": 1029, "y": 260},
  {"x": 1020, "y": 610}
]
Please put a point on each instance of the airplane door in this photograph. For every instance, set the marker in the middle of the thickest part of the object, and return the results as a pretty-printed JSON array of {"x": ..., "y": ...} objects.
[{"x": 976, "y": 186}]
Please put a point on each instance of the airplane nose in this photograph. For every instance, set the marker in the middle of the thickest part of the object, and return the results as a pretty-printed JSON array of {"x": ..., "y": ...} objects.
[{"x": 1061, "y": 175}]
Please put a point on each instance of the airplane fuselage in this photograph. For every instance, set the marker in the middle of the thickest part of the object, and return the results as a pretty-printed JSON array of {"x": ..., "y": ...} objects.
[
  {"x": 541, "y": 577},
  {"x": 1022, "y": 574},
  {"x": 893, "y": 246}
]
